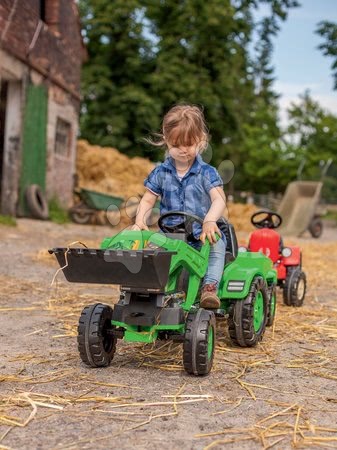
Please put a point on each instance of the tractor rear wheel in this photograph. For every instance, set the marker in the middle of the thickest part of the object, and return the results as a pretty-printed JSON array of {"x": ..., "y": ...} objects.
[
  {"x": 198, "y": 347},
  {"x": 248, "y": 317},
  {"x": 271, "y": 305},
  {"x": 294, "y": 287},
  {"x": 96, "y": 343}
]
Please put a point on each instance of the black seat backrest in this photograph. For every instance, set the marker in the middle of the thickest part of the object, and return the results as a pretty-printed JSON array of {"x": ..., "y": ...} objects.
[{"x": 228, "y": 230}]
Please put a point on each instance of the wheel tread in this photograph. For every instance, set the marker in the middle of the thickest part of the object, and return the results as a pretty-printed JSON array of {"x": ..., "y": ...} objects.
[
  {"x": 195, "y": 347},
  {"x": 290, "y": 297},
  {"x": 90, "y": 342},
  {"x": 240, "y": 320}
]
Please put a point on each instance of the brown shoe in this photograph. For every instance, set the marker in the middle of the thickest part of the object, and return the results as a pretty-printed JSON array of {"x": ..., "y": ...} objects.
[{"x": 208, "y": 298}]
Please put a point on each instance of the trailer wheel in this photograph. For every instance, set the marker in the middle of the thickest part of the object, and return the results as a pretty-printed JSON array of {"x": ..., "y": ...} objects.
[
  {"x": 36, "y": 202},
  {"x": 96, "y": 344},
  {"x": 248, "y": 317},
  {"x": 295, "y": 286},
  {"x": 316, "y": 227},
  {"x": 80, "y": 214},
  {"x": 271, "y": 306},
  {"x": 198, "y": 347}
]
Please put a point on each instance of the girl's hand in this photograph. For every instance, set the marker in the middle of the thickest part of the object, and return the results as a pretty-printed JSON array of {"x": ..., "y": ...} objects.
[
  {"x": 139, "y": 226},
  {"x": 209, "y": 230}
]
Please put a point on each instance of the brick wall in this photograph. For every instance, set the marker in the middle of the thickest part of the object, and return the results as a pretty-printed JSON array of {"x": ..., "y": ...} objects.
[{"x": 53, "y": 47}]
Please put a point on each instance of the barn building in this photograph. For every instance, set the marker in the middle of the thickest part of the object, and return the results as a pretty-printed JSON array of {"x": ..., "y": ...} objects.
[{"x": 41, "y": 52}]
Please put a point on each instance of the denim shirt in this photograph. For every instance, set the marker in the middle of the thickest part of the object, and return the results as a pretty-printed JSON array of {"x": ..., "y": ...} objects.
[{"x": 189, "y": 194}]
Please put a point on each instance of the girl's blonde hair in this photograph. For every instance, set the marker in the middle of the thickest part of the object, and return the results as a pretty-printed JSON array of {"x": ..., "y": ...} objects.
[{"x": 183, "y": 125}]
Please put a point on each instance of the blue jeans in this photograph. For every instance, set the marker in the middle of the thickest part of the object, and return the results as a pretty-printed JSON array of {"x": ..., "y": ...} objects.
[{"x": 216, "y": 262}]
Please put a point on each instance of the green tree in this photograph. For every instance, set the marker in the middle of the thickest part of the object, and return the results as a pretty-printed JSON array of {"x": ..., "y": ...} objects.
[
  {"x": 328, "y": 31},
  {"x": 264, "y": 169},
  {"x": 312, "y": 137},
  {"x": 145, "y": 56},
  {"x": 118, "y": 107},
  {"x": 202, "y": 58}
]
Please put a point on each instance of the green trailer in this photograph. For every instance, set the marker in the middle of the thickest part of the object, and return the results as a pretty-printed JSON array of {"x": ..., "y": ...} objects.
[{"x": 160, "y": 275}]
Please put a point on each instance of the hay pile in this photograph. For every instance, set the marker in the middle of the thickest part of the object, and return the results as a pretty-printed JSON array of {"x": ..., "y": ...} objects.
[
  {"x": 106, "y": 170},
  {"x": 239, "y": 215}
]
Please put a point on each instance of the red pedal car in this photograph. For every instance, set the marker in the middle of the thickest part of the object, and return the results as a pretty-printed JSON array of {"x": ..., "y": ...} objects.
[{"x": 287, "y": 260}]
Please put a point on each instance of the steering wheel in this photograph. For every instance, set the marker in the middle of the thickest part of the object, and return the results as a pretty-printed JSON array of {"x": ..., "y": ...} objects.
[
  {"x": 186, "y": 226},
  {"x": 269, "y": 219}
]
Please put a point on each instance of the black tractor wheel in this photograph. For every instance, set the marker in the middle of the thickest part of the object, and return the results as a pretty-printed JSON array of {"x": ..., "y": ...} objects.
[
  {"x": 248, "y": 317},
  {"x": 316, "y": 227},
  {"x": 271, "y": 305},
  {"x": 198, "y": 347},
  {"x": 96, "y": 343},
  {"x": 294, "y": 287}
]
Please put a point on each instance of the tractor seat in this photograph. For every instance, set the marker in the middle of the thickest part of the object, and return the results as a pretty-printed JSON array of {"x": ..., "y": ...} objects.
[
  {"x": 232, "y": 242},
  {"x": 267, "y": 241}
]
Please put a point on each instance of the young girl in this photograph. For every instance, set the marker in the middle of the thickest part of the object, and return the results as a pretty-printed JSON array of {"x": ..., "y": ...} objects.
[{"x": 186, "y": 183}]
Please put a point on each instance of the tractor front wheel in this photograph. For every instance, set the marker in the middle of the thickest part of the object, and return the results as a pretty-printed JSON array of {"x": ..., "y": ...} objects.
[
  {"x": 294, "y": 287},
  {"x": 248, "y": 317},
  {"x": 198, "y": 347},
  {"x": 96, "y": 343}
]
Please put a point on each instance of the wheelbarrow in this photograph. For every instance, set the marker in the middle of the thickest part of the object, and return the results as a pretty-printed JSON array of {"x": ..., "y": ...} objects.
[
  {"x": 90, "y": 203},
  {"x": 300, "y": 210}
]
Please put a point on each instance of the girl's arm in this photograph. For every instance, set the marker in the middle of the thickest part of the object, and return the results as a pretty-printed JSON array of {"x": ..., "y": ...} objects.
[
  {"x": 144, "y": 210},
  {"x": 217, "y": 209}
]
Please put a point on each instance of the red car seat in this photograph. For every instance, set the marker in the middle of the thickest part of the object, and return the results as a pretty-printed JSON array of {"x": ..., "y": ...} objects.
[{"x": 267, "y": 241}]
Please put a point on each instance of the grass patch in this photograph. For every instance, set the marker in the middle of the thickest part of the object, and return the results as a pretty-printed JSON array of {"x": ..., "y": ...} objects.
[
  {"x": 7, "y": 220},
  {"x": 331, "y": 215},
  {"x": 57, "y": 213}
]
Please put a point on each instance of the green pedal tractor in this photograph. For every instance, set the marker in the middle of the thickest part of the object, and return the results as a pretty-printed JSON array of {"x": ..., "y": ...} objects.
[{"x": 160, "y": 276}]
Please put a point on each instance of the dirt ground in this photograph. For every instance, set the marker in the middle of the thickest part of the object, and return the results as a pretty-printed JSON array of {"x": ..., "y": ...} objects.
[{"x": 281, "y": 394}]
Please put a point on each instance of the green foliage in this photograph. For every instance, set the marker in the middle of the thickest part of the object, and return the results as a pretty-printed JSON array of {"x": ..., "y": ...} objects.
[
  {"x": 8, "y": 221},
  {"x": 57, "y": 214},
  {"x": 328, "y": 31},
  {"x": 312, "y": 132},
  {"x": 117, "y": 109},
  {"x": 326, "y": 140},
  {"x": 331, "y": 215},
  {"x": 145, "y": 56},
  {"x": 312, "y": 141}
]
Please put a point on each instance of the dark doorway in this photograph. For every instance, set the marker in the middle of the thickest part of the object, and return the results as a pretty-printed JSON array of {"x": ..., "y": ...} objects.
[
  {"x": 3, "y": 102},
  {"x": 42, "y": 10}
]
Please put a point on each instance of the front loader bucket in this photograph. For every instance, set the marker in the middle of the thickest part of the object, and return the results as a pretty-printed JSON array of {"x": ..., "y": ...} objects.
[{"x": 147, "y": 269}]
